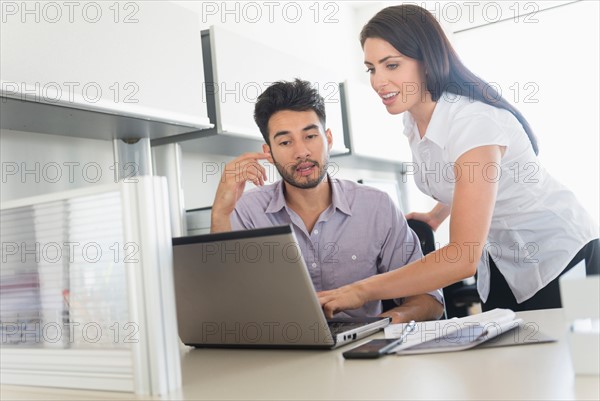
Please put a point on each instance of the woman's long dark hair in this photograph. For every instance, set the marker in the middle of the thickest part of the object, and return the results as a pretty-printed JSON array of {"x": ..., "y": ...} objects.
[{"x": 414, "y": 32}]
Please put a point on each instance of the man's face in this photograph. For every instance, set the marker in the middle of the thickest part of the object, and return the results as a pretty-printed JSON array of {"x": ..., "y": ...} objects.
[{"x": 299, "y": 147}]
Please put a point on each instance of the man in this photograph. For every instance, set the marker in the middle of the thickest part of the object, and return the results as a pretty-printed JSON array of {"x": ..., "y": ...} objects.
[{"x": 346, "y": 231}]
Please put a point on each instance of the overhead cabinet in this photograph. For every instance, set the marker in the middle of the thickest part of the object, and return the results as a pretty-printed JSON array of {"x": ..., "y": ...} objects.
[
  {"x": 237, "y": 71},
  {"x": 102, "y": 70}
]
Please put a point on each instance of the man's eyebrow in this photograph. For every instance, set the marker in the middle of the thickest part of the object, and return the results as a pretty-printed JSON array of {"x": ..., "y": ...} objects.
[
  {"x": 307, "y": 128},
  {"x": 310, "y": 126},
  {"x": 280, "y": 133},
  {"x": 383, "y": 59}
]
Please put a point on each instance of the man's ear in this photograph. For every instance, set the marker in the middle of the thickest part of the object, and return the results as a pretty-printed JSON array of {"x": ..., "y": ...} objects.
[
  {"x": 329, "y": 137},
  {"x": 266, "y": 148}
]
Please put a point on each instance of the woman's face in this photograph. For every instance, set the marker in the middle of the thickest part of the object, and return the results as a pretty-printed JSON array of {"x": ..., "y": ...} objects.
[{"x": 398, "y": 80}]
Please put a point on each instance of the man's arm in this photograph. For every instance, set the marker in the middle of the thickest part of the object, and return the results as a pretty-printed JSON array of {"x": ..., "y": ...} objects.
[
  {"x": 417, "y": 307},
  {"x": 231, "y": 187}
]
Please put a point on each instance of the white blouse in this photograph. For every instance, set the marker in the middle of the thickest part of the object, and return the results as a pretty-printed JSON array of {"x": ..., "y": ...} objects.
[{"x": 537, "y": 225}]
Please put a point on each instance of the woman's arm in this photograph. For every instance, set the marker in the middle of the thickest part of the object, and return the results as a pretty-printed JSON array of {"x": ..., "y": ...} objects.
[
  {"x": 472, "y": 207},
  {"x": 433, "y": 218}
]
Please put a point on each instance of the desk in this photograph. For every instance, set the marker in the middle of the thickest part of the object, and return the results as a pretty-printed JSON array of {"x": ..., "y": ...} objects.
[{"x": 540, "y": 371}]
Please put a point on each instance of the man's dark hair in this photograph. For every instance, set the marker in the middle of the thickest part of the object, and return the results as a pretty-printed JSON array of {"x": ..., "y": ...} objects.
[{"x": 298, "y": 95}]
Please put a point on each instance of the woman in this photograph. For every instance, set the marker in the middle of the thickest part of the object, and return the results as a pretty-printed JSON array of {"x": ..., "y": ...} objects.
[{"x": 511, "y": 222}]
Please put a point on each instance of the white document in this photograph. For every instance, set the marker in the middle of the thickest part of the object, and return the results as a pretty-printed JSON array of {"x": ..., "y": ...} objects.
[{"x": 453, "y": 334}]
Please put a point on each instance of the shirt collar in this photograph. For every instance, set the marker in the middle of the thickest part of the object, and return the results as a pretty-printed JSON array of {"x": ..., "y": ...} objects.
[
  {"x": 437, "y": 128},
  {"x": 338, "y": 198},
  {"x": 278, "y": 200}
]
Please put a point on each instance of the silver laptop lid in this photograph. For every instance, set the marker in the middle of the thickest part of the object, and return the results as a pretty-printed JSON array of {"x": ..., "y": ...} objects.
[{"x": 246, "y": 288}]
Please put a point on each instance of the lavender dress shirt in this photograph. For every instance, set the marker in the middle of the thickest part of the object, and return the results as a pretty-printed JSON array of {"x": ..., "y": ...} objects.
[{"x": 362, "y": 233}]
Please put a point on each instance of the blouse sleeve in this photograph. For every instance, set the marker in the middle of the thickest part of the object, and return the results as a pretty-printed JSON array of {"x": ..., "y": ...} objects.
[{"x": 470, "y": 132}]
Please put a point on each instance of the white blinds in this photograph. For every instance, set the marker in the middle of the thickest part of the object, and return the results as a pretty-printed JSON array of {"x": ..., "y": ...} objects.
[
  {"x": 86, "y": 290},
  {"x": 63, "y": 281}
]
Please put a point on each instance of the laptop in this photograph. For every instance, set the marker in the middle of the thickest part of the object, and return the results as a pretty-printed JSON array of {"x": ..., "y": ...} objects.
[{"x": 252, "y": 289}]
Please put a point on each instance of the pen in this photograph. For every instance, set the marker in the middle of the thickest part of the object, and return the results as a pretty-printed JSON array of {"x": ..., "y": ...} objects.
[{"x": 407, "y": 330}]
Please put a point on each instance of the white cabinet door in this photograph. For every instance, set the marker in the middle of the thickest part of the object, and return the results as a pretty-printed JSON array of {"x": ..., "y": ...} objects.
[
  {"x": 132, "y": 58},
  {"x": 243, "y": 69},
  {"x": 374, "y": 133}
]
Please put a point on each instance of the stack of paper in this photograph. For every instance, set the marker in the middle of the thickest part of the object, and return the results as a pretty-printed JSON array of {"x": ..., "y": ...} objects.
[{"x": 454, "y": 334}]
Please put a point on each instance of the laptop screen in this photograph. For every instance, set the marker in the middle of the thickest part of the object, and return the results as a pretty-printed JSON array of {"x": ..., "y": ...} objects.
[{"x": 245, "y": 288}]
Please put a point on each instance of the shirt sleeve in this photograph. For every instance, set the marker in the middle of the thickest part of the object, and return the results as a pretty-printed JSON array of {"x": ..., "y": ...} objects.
[
  {"x": 236, "y": 221},
  {"x": 401, "y": 246},
  {"x": 467, "y": 133},
  {"x": 240, "y": 220}
]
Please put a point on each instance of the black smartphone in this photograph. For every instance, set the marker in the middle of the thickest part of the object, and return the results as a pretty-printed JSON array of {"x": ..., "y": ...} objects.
[{"x": 369, "y": 350}]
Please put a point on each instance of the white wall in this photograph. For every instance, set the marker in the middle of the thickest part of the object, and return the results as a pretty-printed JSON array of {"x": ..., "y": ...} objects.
[
  {"x": 308, "y": 30},
  {"x": 34, "y": 164},
  {"x": 547, "y": 67}
]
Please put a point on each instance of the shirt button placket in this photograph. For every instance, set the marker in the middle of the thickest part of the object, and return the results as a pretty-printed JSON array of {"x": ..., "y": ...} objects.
[{"x": 426, "y": 159}]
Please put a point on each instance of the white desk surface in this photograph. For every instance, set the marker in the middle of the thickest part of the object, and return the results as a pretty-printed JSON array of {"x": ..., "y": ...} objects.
[{"x": 539, "y": 371}]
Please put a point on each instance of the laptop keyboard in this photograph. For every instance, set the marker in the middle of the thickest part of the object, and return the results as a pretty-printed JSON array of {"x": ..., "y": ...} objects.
[{"x": 337, "y": 327}]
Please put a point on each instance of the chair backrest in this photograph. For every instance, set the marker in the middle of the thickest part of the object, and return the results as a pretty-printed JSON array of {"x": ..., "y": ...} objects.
[{"x": 425, "y": 234}]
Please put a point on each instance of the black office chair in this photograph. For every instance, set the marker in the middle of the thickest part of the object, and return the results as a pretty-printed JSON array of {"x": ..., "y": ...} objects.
[
  {"x": 427, "y": 241},
  {"x": 458, "y": 296}
]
